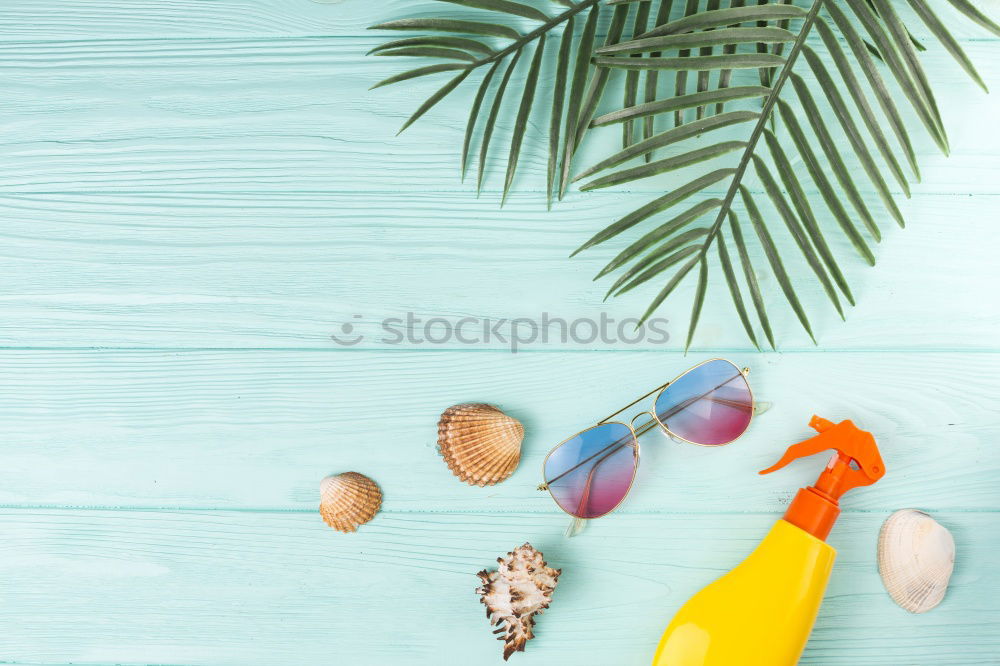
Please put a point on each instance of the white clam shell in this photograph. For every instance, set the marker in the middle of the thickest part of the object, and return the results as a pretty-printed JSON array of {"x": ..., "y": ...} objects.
[{"x": 916, "y": 556}]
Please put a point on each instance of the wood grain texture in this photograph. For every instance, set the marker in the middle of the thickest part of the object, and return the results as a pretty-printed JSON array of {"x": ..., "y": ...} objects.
[
  {"x": 238, "y": 588},
  {"x": 258, "y": 429},
  {"x": 46, "y": 20},
  {"x": 287, "y": 271},
  {"x": 283, "y": 114},
  {"x": 196, "y": 194}
]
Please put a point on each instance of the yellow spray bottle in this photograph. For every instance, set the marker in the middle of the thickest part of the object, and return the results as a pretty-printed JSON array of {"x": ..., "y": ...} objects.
[{"x": 761, "y": 612}]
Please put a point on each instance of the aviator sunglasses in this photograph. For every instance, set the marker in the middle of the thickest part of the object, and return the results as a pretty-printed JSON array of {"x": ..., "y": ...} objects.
[{"x": 591, "y": 473}]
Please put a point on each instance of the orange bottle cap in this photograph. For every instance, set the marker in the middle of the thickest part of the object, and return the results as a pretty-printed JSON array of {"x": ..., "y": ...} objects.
[{"x": 857, "y": 462}]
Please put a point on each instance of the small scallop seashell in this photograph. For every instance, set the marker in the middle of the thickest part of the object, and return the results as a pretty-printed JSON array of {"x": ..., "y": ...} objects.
[
  {"x": 348, "y": 500},
  {"x": 480, "y": 443},
  {"x": 916, "y": 556}
]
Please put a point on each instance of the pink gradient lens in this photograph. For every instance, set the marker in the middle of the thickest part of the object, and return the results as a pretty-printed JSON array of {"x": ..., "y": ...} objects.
[
  {"x": 710, "y": 405},
  {"x": 590, "y": 474}
]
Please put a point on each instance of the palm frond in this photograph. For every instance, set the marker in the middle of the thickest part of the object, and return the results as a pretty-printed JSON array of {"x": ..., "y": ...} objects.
[
  {"x": 574, "y": 102},
  {"x": 639, "y": 26},
  {"x": 652, "y": 76},
  {"x": 973, "y": 13},
  {"x": 836, "y": 115},
  {"x": 680, "y": 79},
  {"x": 935, "y": 25},
  {"x": 845, "y": 140},
  {"x": 522, "y": 115},
  {"x": 484, "y": 39}
]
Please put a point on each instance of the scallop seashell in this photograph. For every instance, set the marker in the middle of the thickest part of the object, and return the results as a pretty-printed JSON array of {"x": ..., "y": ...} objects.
[
  {"x": 348, "y": 500},
  {"x": 480, "y": 443},
  {"x": 916, "y": 556}
]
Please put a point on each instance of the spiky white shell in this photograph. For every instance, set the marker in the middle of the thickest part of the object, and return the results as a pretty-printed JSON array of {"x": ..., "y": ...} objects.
[
  {"x": 916, "y": 556},
  {"x": 480, "y": 444},
  {"x": 520, "y": 588},
  {"x": 348, "y": 500}
]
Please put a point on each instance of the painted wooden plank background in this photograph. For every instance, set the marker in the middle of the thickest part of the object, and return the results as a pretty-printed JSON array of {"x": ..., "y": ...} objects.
[{"x": 196, "y": 194}]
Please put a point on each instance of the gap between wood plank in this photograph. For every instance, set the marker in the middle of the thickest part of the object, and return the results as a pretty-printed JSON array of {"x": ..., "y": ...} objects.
[{"x": 403, "y": 512}]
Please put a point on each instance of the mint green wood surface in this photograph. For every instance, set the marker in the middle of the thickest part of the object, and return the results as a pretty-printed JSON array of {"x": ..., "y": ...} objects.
[{"x": 195, "y": 194}]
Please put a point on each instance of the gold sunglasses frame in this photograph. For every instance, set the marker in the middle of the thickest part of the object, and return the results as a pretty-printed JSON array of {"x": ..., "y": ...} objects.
[{"x": 646, "y": 427}]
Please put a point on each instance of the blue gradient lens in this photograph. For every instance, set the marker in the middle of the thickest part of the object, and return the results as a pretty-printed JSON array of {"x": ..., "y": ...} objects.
[
  {"x": 710, "y": 404},
  {"x": 590, "y": 474}
]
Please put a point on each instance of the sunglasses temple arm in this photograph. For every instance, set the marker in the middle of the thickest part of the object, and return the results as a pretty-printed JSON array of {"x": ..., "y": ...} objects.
[
  {"x": 576, "y": 525},
  {"x": 759, "y": 407}
]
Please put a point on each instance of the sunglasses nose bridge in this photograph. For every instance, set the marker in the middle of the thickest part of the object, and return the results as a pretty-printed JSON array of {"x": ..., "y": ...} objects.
[
  {"x": 632, "y": 421},
  {"x": 651, "y": 423}
]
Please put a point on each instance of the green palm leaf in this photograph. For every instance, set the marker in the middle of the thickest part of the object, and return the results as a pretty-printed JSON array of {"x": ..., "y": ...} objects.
[
  {"x": 748, "y": 273},
  {"x": 682, "y": 102},
  {"x": 973, "y": 13},
  {"x": 632, "y": 78},
  {"x": 699, "y": 301},
  {"x": 662, "y": 166},
  {"x": 912, "y": 89},
  {"x": 865, "y": 110},
  {"x": 657, "y": 261},
  {"x": 935, "y": 25},
  {"x": 851, "y": 131},
  {"x": 774, "y": 259},
  {"x": 817, "y": 172},
  {"x": 562, "y": 68},
  {"x": 461, "y": 43},
  {"x": 434, "y": 99},
  {"x": 745, "y": 35},
  {"x": 429, "y": 52},
  {"x": 680, "y": 79},
  {"x": 600, "y": 79},
  {"x": 652, "y": 76},
  {"x": 735, "y": 61},
  {"x": 704, "y": 76},
  {"x": 721, "y": 18},
  {"x": 470, "y": 126},
  {"x": 450, "y": 25},
  {"x": 795, "y": 227},
  {"x": 726, "y": 75},
  {"x": 482, "y": 39},
  {"x": 657, "y": 206},
  {"x": 660, "y": 233},
  {"x": 522, "y": 115},
  {"x": 711, "y": 45},
  {"x": 804, "y": 210},
  {"x": 492, "y": 119},
  {"x": 419, "y": 71},
  {"x": 840, "y": 169},
  {"x": 574, "y": 101},
  {"x": 688, "y": 40},
  {"x": 734, "y": 290},
  {"x": 672, "y": 136},
  {"x": 875, "y": 80}
]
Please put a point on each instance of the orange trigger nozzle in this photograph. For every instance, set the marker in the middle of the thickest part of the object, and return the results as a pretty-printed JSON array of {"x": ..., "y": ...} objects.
[{"x": 857, "y": 463}]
